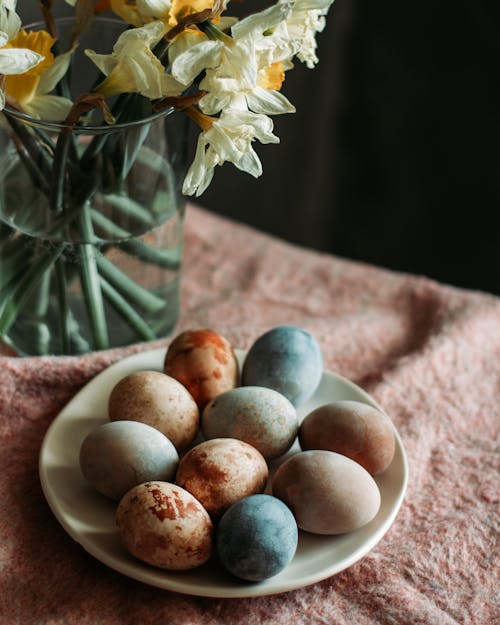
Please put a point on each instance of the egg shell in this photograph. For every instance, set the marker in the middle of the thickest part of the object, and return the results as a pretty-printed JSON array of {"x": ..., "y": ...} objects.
[
  {"x": 286, "y": 359},
  {"x": 257, "y": 415},
  {"x": 328, "y": 493},
  {"x": 162, "y": 524},
  {"x": 204, "y": 362},
  {"x": 354, "y": 429},
  {"x": 256, "y": 538},
  {"x": 154, "y": 398},
  {"x": 221, "y": 471},
  {"x": 114, "y": 457}
]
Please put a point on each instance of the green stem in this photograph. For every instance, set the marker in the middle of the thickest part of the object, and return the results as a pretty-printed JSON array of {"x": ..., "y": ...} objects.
[
  {"x": 62, "y": 298},
  {"x": 59, "y": 171},
  {"x": 89, "y": 277},
  {"x": 162, "y": 258},
  {"x": 128, "y": 287},
  {"x": 16, "y": 294},
  {"x": 122, "y": 307}
]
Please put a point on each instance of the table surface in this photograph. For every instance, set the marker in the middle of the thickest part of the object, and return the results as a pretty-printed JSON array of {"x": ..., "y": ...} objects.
[{"x": 428, "y": 353}]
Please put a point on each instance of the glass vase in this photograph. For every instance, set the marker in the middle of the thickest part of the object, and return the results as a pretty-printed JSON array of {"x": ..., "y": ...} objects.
[{"x": 91, "y": 221}]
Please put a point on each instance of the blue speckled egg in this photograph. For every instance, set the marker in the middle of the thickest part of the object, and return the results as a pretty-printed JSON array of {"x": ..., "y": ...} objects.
[
  {"x": 286, "y": 359},
  {"x": 256, "y": 415},
  {"x": 256, "y": 538},
  {"x": 115, "y": 457}
]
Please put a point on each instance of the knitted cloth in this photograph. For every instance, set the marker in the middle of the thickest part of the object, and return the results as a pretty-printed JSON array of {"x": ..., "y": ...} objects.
[{"x": 428, "y": 353}]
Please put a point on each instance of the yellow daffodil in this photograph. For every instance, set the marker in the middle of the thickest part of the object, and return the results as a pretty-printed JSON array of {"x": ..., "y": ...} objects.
[
  {"x": 132, "y": 66},
  {"x": 14, "y": 61},
  {"x": 31, "y": 90},
  {"x": 140, "y": 12}
]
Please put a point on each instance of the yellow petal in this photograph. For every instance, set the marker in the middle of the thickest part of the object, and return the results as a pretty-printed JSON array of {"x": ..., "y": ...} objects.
[
  {"x": 39, "y": 41},
  {"x": 272, "y": 77},
  {"x": 22, "y": 87},
  {"x": 181, "y": 8}
]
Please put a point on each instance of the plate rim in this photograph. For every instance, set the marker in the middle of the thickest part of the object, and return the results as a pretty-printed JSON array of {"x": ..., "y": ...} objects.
[{"x": 245, "y": 590}]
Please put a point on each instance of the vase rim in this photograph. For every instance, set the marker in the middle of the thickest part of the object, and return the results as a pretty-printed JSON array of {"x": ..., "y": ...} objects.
[
  {"x": 78, "y": 128},
  {"x": 88, "y": 129}
]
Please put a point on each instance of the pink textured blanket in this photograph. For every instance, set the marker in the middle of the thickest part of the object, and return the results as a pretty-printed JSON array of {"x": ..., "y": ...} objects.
[{"x": 428, "y": 353}]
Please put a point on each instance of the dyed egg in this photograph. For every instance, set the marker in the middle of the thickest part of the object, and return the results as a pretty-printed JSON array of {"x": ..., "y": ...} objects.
[
  {"x": 219, "y": 472},
  {"x": 256, "y": 538},
  {"x": 356, "y": 430},
  {"x": 160, "y": 401},
  {"x": 204, "y": 362},
  {"x": 163, "y": 525},
  {"x": 114, "y": 457},
  {"x": 328, "y": 493},
  {"x": 286, "y": 359},
  {"x": 259, "y": 416}
]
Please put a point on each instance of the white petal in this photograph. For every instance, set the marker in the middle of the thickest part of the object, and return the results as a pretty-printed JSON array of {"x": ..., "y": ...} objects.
[
  {"x": 153, "y": 8},
  {"x": 53, "y": 74},
  {"x": 199, "y": 175},
  {"x": 250, "y": 163},
  {"x": 169, "y": 86},
  {"x": 269, "y": 102},
  {"x": 262, "y": 21},
  {"x": 188, "y": 65},
  {"x": 2, "y": 99},
  {"x": 50, "y": 108},
  {"x": 312, "y": 5},
  {"x": 146, "y": 36},
  {"x": 3, "y": 38},
  {"x": 10, "y": 22},
  {"x": 105, "y": 62},
  {"x": 18, "y": 60},
  {"x": 212, "y": 103}
]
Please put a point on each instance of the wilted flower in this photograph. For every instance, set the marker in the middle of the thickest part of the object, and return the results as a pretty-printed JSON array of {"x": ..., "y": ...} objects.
[
  {"x": 132, "y": 66},
  {"x": 228, "y": 138}
]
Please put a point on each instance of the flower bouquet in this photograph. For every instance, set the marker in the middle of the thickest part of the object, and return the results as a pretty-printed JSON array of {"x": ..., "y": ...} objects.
[{"x": 94, "y": 152}]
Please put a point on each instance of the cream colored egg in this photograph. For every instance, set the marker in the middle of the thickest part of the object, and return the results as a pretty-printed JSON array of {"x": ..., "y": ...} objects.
[
  {"x": 154, "y": 398},
  {"x": 328, "y": 493}
]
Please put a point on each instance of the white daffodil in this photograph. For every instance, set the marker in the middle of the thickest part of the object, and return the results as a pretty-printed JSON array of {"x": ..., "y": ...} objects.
[
  {"x": 10, "y": 22},
  {"x": 192, "y": 52},
  {"x": 305, "y": 20},
  {"x": 250, "y": 73},
  {"x": 228, "y": 138},
  {"x": 31, "y": 90},
  {"x": 132, "y": 66}
]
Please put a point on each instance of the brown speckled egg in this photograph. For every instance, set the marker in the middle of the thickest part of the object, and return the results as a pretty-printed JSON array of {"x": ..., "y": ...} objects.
[
  {"x": 356, "y": 430},
  {"x": 164, "y": 525},
  {"x": 328, "y": 493},
  {"x": 220, "y": 472},
  {"x": 158, "y": 400},
  {"x": 204, "y": 362}
]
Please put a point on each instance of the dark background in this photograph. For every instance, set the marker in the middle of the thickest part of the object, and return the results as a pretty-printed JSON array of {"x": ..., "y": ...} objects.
[{"x": 392, "y": 156}]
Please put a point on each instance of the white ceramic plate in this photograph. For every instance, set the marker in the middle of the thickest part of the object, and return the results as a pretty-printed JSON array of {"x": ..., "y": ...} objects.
[{"x": 89, "y": 517}]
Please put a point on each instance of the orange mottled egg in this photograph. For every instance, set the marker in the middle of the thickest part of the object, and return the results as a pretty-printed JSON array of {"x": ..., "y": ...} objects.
[
  {"x": 162, "y": 524},
  {"x": 220, "y": 472},
  {"x": 204, "y": 362}
]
